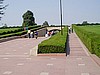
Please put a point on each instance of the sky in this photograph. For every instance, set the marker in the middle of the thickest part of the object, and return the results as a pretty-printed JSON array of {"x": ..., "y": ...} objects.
[{"x": 74, "y": 11}]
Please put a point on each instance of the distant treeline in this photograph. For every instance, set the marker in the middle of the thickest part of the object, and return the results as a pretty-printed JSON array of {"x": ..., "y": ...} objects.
[
  {"x": 5, "y": 27},
  {"x": 92, "y": 24}
]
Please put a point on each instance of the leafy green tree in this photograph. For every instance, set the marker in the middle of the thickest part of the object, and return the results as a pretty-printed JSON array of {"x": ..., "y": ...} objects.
[
  {"x": 5, "y": 26},
  {"x": 28, "y": 19},
  {"x": 85, "y": 22},
  {"x": 2, "y": 8},
  {"x": 45, "y": 23}
]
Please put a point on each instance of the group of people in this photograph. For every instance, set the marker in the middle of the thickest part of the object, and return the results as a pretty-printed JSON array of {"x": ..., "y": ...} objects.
[
  {"x": 49, "y": 33},
  {"x": 32, "y": 34}
]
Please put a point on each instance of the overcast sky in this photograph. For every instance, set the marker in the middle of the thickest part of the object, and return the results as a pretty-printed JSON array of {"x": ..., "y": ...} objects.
[{"x": 74, "y": 11}]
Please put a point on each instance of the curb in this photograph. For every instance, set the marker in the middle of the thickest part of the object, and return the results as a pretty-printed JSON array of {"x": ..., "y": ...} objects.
[
  {"x": 53, "y": 54},
  {"x": 33, "y": 51},
  {"x": 95, "y": 59},
  {"x": 8, "y": 38}
]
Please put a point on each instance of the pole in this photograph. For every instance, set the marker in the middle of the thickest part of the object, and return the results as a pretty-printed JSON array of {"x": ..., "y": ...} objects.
[{"x": 61, "y": 16}]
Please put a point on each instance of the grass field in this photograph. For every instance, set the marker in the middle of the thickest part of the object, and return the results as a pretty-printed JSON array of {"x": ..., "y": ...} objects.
[
  {"x": 90, "y": 35},
  {"x": 93, "y": 29}
]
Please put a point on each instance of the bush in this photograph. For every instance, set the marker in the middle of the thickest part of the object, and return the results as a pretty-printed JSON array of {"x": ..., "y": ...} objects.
[
  {"x": 16, "y": 31},
  {"x": 10, "y": 30},
  {"x": 55, "y": 44}
]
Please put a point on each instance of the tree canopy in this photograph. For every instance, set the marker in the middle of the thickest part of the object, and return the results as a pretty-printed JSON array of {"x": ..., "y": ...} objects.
[
  {"x": 45, "y": 23},
  {"x": 28, "y": 19},
  {"x": 85, "y": 22},
  {"x": 2, "y": 7}
]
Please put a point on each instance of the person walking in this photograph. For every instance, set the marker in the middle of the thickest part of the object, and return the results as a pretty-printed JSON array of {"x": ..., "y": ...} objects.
[
  {"x": 31, "y": 34},
  {"x": 72, "y": 29},
  {"x": 36, "y": 34},
  {"x": 29, "y": 31},
  {"x": 69, "y": 30}
]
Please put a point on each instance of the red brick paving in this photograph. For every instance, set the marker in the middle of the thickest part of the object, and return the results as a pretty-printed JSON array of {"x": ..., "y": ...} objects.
[{"x": 18, "y": 61}]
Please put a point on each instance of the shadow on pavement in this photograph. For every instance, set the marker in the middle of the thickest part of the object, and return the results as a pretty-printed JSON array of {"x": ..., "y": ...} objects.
[{"x": 68, "y": 47}]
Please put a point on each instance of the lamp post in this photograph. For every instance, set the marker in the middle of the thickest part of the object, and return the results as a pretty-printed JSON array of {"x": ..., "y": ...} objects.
[{"x": 61, "y": 16}]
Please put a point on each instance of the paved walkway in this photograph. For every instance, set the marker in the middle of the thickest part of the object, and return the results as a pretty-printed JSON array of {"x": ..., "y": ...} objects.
[
  {"x": 15, "y": 59},
  {"x": 79, "y": 61}
]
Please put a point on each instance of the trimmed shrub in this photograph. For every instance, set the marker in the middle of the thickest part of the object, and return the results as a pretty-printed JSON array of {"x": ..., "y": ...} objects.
[
  {"x": 55, "y": 44},
  {"x": 10, "y": 30},
  {"x": 16, "y": 31},
  {"x": 89, "y": 38}
]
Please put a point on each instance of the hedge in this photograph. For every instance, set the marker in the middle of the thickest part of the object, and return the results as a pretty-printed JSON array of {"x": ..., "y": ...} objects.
[
  {"x": 90, "y": 39},
  {"x": 10, "y": 30},
  {"x": 14, "y": 30},
  {"x": 55, "y": 44},
  {"x": 18, "y": 32}
]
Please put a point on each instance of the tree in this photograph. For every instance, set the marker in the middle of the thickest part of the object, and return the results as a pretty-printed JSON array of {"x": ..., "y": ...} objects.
[
  {"x": 2, "y": 8},
  {"x": 28, "y": 19},
  {"x": 5, "y": 26},
  {"x": 45, "y": 23},
  {"x": 85, "y": 22}
]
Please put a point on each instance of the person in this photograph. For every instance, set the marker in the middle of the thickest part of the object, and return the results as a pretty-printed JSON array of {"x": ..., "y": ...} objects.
[
  {"x": 36, "y": 34},
  {"x": 72, "y": 29},
  {"x": 29, "y": 31},
  {"x": 31, "y": 34},
  {"x": 49, "y": 33},
  {"x": 46, "y": 35},
  {"x": 69, "y": 29},
  {"x": 52, "y": 32}
]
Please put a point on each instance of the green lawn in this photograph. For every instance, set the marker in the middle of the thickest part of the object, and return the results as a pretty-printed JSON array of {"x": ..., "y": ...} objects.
[
  {"x": 90, "y": 35},
  {"x": 93, "y": 29}
]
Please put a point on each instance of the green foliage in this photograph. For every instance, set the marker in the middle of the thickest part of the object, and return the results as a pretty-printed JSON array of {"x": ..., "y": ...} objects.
[
  {"x": 90, "y": 35},
  {"x": 28, "y": 19},
  {"x": 2, "y": 8},
  {"x": 13, "y": 34},
  {"x": 45, "y": 23},
  {"x": 8, "y": 32},
  {"x": 55, "y": 44},
  {"x": 88, "y": 24},
  {"x": 85, "y": 22}
]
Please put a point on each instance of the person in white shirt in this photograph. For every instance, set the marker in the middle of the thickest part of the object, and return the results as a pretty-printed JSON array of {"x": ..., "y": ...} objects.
[
  {"x": 69, "y": 29},
  {"x": 31, "y": 34},
  {"x": 29, "y": 31}
]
